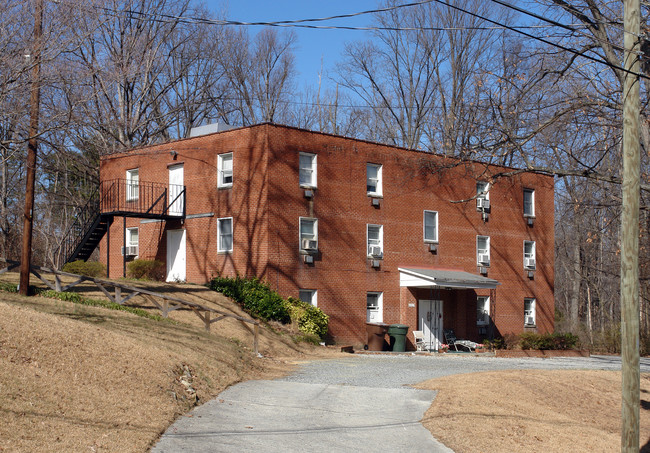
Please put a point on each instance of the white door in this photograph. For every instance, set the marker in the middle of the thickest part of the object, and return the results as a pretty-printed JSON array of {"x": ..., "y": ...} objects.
[
  {"x": 176, "y": 255},
  {"x": 175, "y": 189},
  {"x": 374, "y": 309},
  {"x": 430, "y": 323}
]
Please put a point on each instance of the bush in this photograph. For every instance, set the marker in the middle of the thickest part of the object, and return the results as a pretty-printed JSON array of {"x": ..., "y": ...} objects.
[
  {"x": 254, "y": 296},
  {"x": 547, "y": 341},
  {"x": 86, "y": 268},
  {"x": 146, "y": 270},
  {"x": 262, "y": 302},
  {"x": 309, "y": 319}
]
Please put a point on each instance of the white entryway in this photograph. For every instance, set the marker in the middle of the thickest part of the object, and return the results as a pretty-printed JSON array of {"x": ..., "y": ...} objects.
[
  {"x": 430, "y": 322},
  {"x": 175, "y": 189},
  {"x": 176, "y": 256}
]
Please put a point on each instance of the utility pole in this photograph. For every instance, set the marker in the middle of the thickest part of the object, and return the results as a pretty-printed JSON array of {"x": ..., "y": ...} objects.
[
  {"x": 32, "y": 144},
  {"x": 630, "y": 233}
]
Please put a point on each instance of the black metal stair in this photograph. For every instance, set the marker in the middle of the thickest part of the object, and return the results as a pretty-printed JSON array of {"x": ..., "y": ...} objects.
[{"x": 118, "y": 198}]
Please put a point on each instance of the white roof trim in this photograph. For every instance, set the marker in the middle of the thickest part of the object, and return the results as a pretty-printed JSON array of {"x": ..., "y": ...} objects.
[{"x": 426, "y": 278}]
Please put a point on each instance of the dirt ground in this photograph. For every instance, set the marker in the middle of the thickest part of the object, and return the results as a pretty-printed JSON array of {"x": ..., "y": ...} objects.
[
  {"x": 80, "y": 378},
  {"x": 532, "y": 411}
]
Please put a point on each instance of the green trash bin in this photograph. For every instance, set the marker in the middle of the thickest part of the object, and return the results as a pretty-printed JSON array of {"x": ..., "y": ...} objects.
[{"x": 397, "y": 334}]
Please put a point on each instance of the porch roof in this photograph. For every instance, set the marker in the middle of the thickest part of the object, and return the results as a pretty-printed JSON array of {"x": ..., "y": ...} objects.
[{"x": 424, "y": 278}]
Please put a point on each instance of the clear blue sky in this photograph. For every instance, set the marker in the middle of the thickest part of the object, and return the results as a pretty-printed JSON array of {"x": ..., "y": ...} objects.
[{"x": 312, "y": 45}]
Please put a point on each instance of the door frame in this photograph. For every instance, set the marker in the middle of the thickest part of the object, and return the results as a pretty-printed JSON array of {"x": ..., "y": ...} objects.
[{"x": 431, "y": 325}]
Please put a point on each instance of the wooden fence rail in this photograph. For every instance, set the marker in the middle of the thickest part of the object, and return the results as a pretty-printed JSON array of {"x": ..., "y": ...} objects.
[{"x": 123, "y": 293}]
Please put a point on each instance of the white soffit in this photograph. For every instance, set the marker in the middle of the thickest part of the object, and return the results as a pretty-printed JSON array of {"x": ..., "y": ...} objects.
[{"x": 425, "y": 278}]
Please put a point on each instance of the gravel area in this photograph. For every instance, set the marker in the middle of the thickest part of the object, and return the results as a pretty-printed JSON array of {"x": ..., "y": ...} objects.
[{"x": 395, "y": 371}]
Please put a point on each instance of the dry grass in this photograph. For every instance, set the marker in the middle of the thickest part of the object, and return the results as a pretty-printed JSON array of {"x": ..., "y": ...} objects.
[
  {"x": 532, "y": 411},
  {"x": 81, "y": 378}
]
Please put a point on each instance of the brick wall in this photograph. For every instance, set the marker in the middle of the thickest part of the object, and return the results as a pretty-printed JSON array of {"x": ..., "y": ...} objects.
[{"x": 266, "y": 202}]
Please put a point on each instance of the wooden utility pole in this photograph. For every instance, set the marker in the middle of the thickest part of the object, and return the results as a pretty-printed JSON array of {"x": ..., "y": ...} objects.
[
  {"x": 30, "y": 170},
  {"x": 630, "y": 233}
]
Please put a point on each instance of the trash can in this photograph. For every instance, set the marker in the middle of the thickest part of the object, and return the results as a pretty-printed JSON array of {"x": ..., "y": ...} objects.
[
  {"x": 397, "y": 333},
  {"x": 376, "y": 333}
]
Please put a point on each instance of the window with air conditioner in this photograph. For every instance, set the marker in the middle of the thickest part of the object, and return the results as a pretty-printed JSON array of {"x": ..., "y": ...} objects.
[
  {"x": 529, "y": 203},
  {"x": 132, "y": 243},
  {"x": 430, "y": 223},
  {"x": 375, "y": 241},
  {"x": 224, "y": 168},
  {"x": 307, "y": 169},
  {"x": 308, "y": 234},
  {"x": 309, "y": 296},
  {"x": 482, "y": 311},
  {"x": 374, "y": 307},
  {"x": 529, "y": 312},
  {"x": 529, "y": 255},
  {"x": 482, "y": 195},
  {"x": 224, "y": 234},
  {"x": 373, "y": 179},
  {"x": 132, "y": 184},
  {"x": 483, "y": 250}
]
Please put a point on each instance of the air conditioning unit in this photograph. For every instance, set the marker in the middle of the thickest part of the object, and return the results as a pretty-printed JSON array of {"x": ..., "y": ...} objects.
[
  {"x": 309, "y": 193},
  {"x": 530, "y": 220},
  {"x": 484, "y": 258},
  {"x": 131, "y": 250},
  {"x": 308, "y": 259},
  {"x": 309, "y": 244},
  {"x": 433, "y": 248},
  {"x": 530, "y": 320},
  {"x": 483, "y": 204},
  {"x": 529, "y": 263},
  {"x": 376, "y": 202},
  {"x": 483, "y": 270},
  {"x": 374, "y": 250},
  {"x": 375, "y": 263}
]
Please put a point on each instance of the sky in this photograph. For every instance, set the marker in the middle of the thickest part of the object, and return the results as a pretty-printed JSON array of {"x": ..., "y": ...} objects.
[{"x": 313, "y": 46}]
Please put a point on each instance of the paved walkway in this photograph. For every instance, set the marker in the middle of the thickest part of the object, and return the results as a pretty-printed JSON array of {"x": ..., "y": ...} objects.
[{"x": 358, "y": 403}]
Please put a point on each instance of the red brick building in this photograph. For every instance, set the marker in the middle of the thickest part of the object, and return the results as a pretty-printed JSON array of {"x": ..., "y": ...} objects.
[{"x": 365, "y": 231}]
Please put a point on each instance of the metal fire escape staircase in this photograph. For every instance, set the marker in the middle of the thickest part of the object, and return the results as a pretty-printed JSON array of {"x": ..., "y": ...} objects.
[{"x": 118, "y": 198}]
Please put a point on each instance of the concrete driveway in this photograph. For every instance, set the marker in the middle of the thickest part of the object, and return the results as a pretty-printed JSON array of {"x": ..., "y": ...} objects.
[{"x": 360, "y": 403}]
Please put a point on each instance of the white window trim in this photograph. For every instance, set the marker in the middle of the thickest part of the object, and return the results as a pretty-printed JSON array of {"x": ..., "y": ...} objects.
[
  {"x": 314, "y": 168},
  {"x": 380, "y": 304},
  {"x": 133, "y": 185},
  {"x": 532, "y": 191},
  {"x": 479, "y": 252},
  {"x": 313, "y": 296},
  {"x": 487, "y": 310},
  {"x": 220, "y": 170},
  {"x": 232, "y": 233},
  {"x": 533, "y": 310},
  {"x": 533, "y": 255},
  {"x": 424, "y": 229},
  {"x": 381, "y": 241},
  {"x": 300, "y": 238},
  {"x": 130, "y": 242},
  {"x": 486, "y": 193},
  {"x": 379, "y": 191}
]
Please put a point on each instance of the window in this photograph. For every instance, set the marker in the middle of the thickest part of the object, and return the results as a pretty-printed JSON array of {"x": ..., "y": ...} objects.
[
  {"x": 483, "y": 250},
  {"x": 482, "y": 310},
  {"x": 529, "y": 203},
  {"x": 309, "y": 296},
  {"x": 132, "y": 184},
  {"x": 307, "y": 171},
  {"x": 482, "y": 195},
  {"x": 308, "y": 234},
  {"x": 224, "y": 233},
  {"x": 430, "y": 226},
  {"x": 373, "y": 179},
  {"x": 224, "y": 168},
  {"x": 375, "y": 241},
  {"x": 529, "y": 312},
  {"x": 132, "y": 242},
  {"x": 529, "y": 254},
  {"x": 374, "y": 309}
]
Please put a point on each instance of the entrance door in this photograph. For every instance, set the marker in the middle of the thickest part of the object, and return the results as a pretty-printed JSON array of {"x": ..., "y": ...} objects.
[
  {"x": 430, "y": 322},
  {"x": 176, "y": 255},
  {"x": 175, "y": 189}
]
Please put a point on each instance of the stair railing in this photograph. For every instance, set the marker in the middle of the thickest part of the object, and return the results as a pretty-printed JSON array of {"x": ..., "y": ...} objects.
[{"x": 84, "y": 218}]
